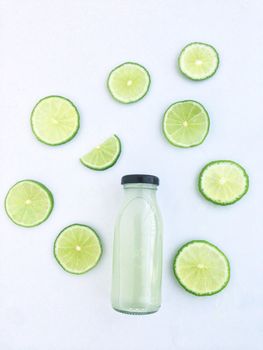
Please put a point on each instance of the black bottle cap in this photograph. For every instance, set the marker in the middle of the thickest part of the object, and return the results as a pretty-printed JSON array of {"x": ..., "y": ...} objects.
[{"x": 140, "y": 178}]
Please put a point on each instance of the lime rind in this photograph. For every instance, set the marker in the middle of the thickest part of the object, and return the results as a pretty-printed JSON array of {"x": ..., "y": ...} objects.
[
  {"x": 63, "y": 265},
  {"x": 202, "y": 139},
  {"x": 201, "y": 190},
  {"x": 70, "y": 137},
  {"x": 49, "y": 195},
  {"x": 107, "y": 165},
  {"x": 213, "y": 71},
  {"x": 127, "y": 100},
  {"x": 221, "y": 254}
]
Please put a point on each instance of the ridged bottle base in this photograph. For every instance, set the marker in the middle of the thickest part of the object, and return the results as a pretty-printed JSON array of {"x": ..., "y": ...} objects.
[{"x": 135, "y": 312}]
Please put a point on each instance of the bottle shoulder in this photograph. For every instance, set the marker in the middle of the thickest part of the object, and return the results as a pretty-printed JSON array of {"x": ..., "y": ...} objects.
[
  {"x": 141, "y": 209},
  {"x": 139, "y": 203}
]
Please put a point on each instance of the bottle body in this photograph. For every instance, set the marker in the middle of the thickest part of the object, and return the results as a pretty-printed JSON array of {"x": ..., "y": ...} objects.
[{"x": 137, "y": 253}]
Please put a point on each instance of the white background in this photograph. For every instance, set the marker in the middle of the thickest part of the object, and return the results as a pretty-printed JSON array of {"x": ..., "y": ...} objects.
[{"x": 68, "y": 48}]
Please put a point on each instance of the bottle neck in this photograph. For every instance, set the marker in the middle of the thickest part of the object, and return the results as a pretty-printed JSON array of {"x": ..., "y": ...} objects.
[{"x": 140, "y": 190}]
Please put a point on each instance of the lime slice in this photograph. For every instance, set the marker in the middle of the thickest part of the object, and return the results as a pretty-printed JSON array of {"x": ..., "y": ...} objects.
[
  {"x": 28, "y": 203},
  {"x": 77, "y": 248},
  {"x": 198, "y": 61},
  {"x": 201, "y": 268},
  {"x": 128, "y": 82},
  {"x": 55, "y": 120},
  {"x": 103, "y": 156},
  {"x": 223, "y": 182},
  {"x": 186, "y": 124}
]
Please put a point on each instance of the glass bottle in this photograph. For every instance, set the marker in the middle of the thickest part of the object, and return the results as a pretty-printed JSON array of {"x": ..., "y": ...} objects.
[{"x": 137, "y": 251}]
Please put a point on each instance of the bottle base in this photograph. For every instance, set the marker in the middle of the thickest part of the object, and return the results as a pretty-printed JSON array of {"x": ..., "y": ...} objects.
[{"x": 136, "y": 311}]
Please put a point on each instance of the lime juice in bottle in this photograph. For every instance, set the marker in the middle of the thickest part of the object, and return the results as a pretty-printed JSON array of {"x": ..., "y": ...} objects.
[{"x": 137, "y": 252}]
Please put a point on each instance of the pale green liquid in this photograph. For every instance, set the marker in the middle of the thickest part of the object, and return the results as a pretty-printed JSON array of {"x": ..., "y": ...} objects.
[{"x": 137, "y": 257}]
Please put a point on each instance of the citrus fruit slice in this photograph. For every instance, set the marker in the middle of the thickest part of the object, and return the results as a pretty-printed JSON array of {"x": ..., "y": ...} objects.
[
  {"x": 198, "y": 61},
  {"x": 54, "y": 120},
  {"x": 128, "y": 82},
  {"x": 28, "y": 203},
  {"x": 201, "y": 268},
  {"x": 103, "y": 156},
  {"x": 186, "y": 124},
  {"x": 77, "y": 248},
  {"x": 223, "y": 182}
]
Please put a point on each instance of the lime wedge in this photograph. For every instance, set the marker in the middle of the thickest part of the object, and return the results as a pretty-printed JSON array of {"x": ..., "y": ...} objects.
[
  {"x": 77, "y": 248},
  {"x": 54, "y": 120},
  {"x": 201, "y": 268},
  {"x": 223, "y": 182},
  {"x": 28, "y": 203},
  {"x": 186, "y": 124},
  {"x": 198, "y": 61},
  {"x": 128, "y": 82},
  {"x": 103, "y": 156}
]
